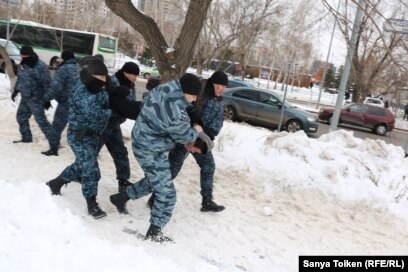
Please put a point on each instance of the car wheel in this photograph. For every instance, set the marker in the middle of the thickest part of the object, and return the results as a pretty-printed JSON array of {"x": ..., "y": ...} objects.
[
  {"x": 146, "y": 75},
  {"x": 381, "y": 129},
  {"x": 330, "y": 119},
  {"x": 230, "y": 113},
  {"x": 293, "y": 126}
]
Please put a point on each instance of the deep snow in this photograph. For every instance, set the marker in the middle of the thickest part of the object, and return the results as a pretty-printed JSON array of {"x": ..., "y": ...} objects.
[{"x": 285, "y": 195}]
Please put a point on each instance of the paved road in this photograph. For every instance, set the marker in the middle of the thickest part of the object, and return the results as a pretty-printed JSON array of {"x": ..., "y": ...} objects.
[
  {"x": 140, "y": 88},
  {"x": 396, "y": 137}
]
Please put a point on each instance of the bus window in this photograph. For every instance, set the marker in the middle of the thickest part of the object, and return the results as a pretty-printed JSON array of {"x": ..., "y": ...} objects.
[
  {"x": 106, "y": 43},
  {"x": 80, "y": 43},
  {"x": 46, "y": 41},
  {"x": 46, "y": 38}
]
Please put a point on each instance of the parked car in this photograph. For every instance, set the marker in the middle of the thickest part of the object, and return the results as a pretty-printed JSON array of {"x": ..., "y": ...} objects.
[
  {"x": 232, "y": 83},
  {"x": 331, "y": 90},
  {"x": 13, "y": 52},
  {"x": 149, "y": 71},
  {"x": 374, "y": 101},
  {"x": 379, "y": 120},
  {"x": 264, "y": 108}
]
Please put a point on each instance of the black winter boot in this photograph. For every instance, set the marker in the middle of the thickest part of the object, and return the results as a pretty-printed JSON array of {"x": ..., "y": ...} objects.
[
  {"x": 51, "y": 152},
  {"x": 22, "y": 141},
  {"x": 150, "y": 201},
  {"x": 93, "y": 208},
  {"x": 208, "y": 205},
  {"x": 56, "y": 185},
  {"x": 119, "y": 200},
  {"x": 154, "y": 234},
  {"x": 123, "y": 183}
]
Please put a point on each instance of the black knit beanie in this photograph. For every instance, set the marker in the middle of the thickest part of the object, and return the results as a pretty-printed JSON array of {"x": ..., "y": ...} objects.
[
  {"x": 67, "y": 54},
  {"x": 26, "y": 50},
  {"x": 219, "y": 77},
  {"x": 97, "y": 67},
  {"x": 131, "y": 68},
  {"x": 190, "y": 84}
]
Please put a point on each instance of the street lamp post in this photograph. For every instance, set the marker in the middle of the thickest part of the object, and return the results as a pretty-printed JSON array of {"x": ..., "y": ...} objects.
[
  {"x": 284, "y": 95},
  {"x": 8, "y": 20},
  {"x": 9, "y": 3},
  {"x": 327, "y": 60},
  {"x": 347, "y": 66}
]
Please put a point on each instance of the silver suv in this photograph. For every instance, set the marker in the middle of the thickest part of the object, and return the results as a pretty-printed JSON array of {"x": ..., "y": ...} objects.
[
  {"x": 265, "y": 108},
  {"x": 374, "y": 101}
]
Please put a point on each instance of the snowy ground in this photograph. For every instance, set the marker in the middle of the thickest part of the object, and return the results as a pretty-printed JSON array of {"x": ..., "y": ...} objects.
[{"x": 285, "y": 195}]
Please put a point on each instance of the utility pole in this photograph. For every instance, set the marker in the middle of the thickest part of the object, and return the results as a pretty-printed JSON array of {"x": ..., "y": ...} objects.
[
  {"x": 347, "y": 66},
  {"x": 327, "y": 59},
  {"x": 8, "y": 21},
  {"x": 284, "y": 95}
]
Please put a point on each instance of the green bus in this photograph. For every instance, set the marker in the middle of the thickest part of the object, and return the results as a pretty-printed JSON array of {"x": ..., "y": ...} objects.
[{"x": 48, "y": 42}]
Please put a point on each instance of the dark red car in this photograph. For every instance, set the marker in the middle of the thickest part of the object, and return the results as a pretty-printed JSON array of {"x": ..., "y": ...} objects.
[{"x": 378, "y": 119}]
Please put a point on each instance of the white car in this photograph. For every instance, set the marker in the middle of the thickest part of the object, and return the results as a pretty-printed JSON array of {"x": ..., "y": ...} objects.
[
  {"x": 374, "y": 101},
  {"x": 13, "y": 52}
]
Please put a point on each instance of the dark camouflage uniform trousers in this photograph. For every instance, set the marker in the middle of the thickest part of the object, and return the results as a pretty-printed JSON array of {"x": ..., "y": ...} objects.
[
  {"x": 88, "y": 112},
  {"x": 86, "y": 166},
  {"x": 32, "y": 82},
  {"x": 204, "y": 161},
  {"x": 32, "y": 106},
  {"x": 213, "y": 119},
  {"x": 60, "y": 119},
  {"x": 64, "y": 81}
]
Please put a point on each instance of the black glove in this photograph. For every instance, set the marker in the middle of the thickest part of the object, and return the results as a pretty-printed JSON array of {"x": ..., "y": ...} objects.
[
  {"x": 14, "y": 94},
  {"x": 47, "y": 105},
  {"x": 201, "y": 145},
  {"x": 152, "y": 83},
  {"x": 195, "y": 115},
  {"x": 121, "y": 91},
  {"x": 125, "y": 107}
]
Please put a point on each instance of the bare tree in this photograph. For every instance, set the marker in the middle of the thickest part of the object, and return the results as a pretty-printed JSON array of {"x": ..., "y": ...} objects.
[
  {"x": 89, "y": 15},
  {"x": 253, "y": 23},
  {"x": 376, "y": 50},
  {"x": 171, "y": 61},
  {"x": 43, "y": 13},
  {"x": 296, "y": 45},
  {"x": 212, "y": 38}
]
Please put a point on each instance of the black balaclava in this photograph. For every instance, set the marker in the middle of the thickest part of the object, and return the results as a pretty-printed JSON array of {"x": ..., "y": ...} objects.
[
  {"x": 94, "y": 67},
  {"x": 32, "y": 58}
]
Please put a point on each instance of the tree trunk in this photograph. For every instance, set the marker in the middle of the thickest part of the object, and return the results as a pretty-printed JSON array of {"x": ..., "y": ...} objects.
[
  {"x": 9, "y": 67},
  {"x": 200, "y": 67},
  {"x": 171, "y": 62}
]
